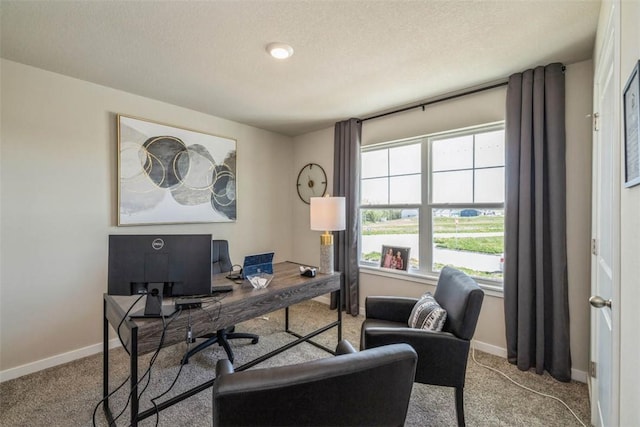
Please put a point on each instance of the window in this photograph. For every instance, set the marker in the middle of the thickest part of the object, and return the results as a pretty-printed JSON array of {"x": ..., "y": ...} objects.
[{"x": 441, "y": 196}]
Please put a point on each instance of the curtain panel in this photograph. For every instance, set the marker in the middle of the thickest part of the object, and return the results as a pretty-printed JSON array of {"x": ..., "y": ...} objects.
[
  {"x": 346, "y": 183},
  {"x": 535, "y": 282}
]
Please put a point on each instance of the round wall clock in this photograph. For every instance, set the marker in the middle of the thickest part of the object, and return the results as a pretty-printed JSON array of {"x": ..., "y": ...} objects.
[{"x": 312, "y": 182}]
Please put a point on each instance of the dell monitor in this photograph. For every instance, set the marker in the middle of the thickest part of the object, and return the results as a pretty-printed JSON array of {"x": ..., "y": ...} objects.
[{"x": 159, "y": 265}]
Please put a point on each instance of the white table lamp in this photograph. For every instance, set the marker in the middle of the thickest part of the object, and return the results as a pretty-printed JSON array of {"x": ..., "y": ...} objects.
[{"x": 327, "y": 214}]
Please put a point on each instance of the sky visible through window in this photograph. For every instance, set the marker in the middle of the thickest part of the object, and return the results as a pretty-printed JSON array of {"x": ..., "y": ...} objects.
[{"x": 392, "y": 176}]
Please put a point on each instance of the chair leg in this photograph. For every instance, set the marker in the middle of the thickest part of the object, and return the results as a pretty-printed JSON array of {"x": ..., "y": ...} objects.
[
  {"x": 224, "y": 336},
  {"x": 254, "y": 338},
  {"x": 199, "y": 347},
  {"x": 221, "y": 337},
  {"x": 460, "y": 406},
  {"x": 225, "y": 344}
]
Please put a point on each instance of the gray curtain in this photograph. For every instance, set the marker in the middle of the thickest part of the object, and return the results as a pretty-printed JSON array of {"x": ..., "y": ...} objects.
[
  {"x": 535, "y": 273},
  {"x": 346, "y": 182}
]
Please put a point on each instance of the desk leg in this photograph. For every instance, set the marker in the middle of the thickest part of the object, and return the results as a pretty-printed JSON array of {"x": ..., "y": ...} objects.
[
  {"x": 286, "y": 319},
  {"x": 339, "y": 316},
  {"x": 134, "y": 376},
  {"x": 105, "y": 362}
]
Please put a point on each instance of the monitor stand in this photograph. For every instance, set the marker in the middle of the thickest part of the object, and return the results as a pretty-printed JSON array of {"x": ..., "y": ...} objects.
[
  {"x": 153, "y": 307},
  {"x": 167, "y": 311}
]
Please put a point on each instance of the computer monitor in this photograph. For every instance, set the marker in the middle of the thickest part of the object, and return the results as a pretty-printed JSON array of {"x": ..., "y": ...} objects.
[{"x": 160, "y": 265}]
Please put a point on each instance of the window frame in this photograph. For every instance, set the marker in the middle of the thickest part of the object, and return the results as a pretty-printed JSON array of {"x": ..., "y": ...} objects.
[{"x": 426, "y": 206}]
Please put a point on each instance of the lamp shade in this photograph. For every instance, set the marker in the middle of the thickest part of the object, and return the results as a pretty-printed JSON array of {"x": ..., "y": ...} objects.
[{"x": 327, "y": 213}]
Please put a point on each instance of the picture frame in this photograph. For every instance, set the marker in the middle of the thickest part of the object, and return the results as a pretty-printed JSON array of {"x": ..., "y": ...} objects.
[
  {"x": 394, "y": 257},
  {"x": 631, "y": 113},
  {"x": 173, "y": 175}
]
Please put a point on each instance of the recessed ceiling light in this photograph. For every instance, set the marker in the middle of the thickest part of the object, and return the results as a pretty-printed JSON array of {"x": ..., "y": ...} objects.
[{"x": 279, "y": 50}]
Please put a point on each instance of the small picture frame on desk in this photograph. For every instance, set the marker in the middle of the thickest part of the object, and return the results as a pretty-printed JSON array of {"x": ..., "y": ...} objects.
[{"x": 631, "y": 103}]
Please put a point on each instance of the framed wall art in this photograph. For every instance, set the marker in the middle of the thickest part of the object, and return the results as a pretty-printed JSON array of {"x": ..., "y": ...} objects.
[
  {"x": 631, "y": 102},
  {"x": 170, "y": 175},
  {"x": 395, "y": 257}
]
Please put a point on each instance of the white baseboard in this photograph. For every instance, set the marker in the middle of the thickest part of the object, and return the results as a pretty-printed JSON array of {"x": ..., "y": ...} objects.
[
  {"x": 576, "y": 374},
  {"x": 489, "y": 348},
  {"x": 580, "y": 376},
  {"x": 70, "y": 356},
  {"x": 59, "y": 359},
  {"x": 324, "y": 299}
]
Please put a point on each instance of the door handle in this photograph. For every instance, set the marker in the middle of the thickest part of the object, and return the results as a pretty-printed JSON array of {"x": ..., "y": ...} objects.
[{"x": 599, "y": 302}]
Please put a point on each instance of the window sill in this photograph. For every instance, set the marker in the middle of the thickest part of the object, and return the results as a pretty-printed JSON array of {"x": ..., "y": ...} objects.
[
  {"x": 490, "y": 288},
  {"x": 400, "y": 275}
]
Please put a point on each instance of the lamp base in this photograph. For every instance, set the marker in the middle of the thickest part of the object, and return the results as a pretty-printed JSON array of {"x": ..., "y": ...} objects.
[{"x": 326, "y": 253}]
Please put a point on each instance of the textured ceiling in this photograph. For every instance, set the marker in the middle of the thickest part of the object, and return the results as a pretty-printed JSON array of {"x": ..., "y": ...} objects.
[{"x": 352, "y": 58}]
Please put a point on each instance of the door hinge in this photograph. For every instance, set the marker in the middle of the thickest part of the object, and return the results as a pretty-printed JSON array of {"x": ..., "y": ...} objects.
[
  {"x": 596, "y": 124},
  {"x": 594, "y": 247},
  {"x": 592, "y": 369}
]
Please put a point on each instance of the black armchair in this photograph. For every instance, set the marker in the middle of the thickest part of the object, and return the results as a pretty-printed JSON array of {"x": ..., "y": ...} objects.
[
  {"x": 442, "y": 356},
  {"x": 367, "y": 388},
  {"x": 221, "y": 263}
]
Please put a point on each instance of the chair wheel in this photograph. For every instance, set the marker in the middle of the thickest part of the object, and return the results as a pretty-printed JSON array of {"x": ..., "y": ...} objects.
[{"x": 254, "y": 341}]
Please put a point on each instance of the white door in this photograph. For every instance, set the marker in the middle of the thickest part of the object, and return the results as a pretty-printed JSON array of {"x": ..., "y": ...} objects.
[{"x": 605, "y": 232}]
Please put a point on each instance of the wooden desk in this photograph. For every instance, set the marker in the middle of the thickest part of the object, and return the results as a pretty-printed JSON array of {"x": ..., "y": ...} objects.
[{"x": 142, "y": 336}]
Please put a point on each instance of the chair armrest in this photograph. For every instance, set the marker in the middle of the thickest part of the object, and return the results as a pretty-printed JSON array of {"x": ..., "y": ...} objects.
[
  {"x": 442, "y": 357},
  {"x": 378, "y": 336},
  {"x": 344, "y": 347},
  {"x": 395, "y": 309},
  {"x": 223, "y": 367}
]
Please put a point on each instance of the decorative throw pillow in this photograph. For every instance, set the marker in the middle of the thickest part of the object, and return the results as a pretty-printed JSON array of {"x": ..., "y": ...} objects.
[{"x": 427, "y": 314}]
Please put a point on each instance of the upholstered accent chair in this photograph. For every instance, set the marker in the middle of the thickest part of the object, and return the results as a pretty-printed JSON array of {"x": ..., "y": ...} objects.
[
  {"x": 366, "y": 388},
  {"x": 221, "y": 263},
  {"x": 442, "y": 356}
]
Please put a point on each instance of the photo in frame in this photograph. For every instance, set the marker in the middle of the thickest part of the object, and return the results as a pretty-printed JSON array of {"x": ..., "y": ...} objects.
[
  {"x": 171, "y": 175},
  {"x": 631, "y": 103},
  {"x": 395, "y": 257}
]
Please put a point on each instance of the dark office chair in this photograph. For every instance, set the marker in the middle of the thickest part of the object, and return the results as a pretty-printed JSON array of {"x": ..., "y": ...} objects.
[
  {"x": 221, "y": 263},
  {"x": 366, "y": 388},
  {"x": 442, "y": 356}
]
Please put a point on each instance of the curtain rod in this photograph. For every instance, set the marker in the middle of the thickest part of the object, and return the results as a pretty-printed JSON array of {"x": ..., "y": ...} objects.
[{"x": 446, "y": 98}]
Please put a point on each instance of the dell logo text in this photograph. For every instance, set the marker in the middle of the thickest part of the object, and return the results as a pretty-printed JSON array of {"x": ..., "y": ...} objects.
[{"x": 157, "y": 244}]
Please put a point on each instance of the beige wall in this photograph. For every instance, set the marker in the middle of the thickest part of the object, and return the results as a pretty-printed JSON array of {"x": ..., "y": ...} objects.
[
  {"x": 58, "y": 188},
  {"x": 314, "y": 147},
  {"x": 579, "y": 84},
  {"x": 630, "y": 241},
  {"x": 484, "y": 107},
  {"x": 58, "y": 196}
]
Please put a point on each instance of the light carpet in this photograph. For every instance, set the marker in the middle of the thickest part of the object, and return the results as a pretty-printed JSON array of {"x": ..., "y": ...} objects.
[{"x": 66, "y": 395}]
